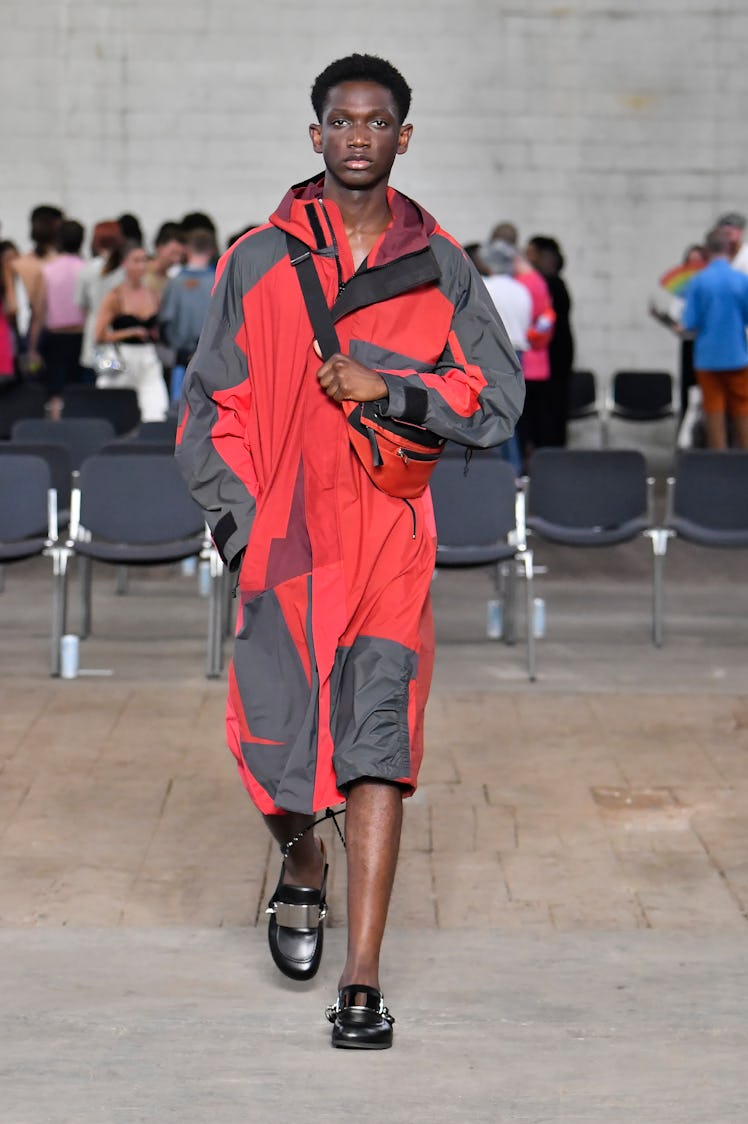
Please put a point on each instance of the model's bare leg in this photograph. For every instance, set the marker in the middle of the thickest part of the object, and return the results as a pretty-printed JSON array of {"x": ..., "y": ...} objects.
[
  {"x": 716, "y": 430},
  {"x": 374, "y": 814},
  {"x": 304, "y": 863}
]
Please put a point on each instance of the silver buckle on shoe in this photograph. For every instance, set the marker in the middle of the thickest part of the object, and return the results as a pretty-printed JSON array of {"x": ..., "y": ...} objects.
[{"x": 292, "y": 916}]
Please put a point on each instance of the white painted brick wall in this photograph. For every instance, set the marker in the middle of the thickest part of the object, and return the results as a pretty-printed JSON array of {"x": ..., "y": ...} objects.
[{"x": 616, "y": 125}]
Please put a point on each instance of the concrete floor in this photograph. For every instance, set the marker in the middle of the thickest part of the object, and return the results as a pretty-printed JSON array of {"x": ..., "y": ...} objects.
[{"x": 568, "y": 930}]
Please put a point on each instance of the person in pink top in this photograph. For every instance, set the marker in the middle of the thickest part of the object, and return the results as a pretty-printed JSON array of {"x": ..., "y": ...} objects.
[{"x": 63, "y": 319}]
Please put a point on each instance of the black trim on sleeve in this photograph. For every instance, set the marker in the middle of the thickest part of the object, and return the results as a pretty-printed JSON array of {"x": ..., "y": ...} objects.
[
  {"x": 222, "y": 532},
  {"x": 416, "y": 404}
]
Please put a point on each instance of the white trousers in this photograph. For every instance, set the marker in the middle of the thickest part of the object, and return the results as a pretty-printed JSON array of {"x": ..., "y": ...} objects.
[{"x": 144, "y": 373}]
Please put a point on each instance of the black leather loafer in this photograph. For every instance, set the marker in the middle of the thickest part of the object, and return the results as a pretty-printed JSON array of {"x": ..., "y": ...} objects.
[
  {"x": 360, "y": 1019},
  {"x": 296, "y": 930}
]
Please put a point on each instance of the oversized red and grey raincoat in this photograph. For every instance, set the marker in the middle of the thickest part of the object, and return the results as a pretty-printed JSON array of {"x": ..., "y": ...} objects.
[{"x": 334, "y": 644}]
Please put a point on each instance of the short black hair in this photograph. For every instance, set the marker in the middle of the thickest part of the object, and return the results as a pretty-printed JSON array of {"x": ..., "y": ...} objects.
[
  {"x": 71, "y": 236},
  {"x": 169, "y": 231},
  {"x": 362, "y": 68},
  {"x": 131, "y": 228}
]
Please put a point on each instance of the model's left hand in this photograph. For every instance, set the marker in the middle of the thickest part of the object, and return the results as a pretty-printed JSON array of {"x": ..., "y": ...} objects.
[{"x": 345, "y": 379}]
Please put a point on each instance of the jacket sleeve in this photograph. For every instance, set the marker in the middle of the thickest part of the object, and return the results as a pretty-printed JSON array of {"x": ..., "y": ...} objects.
[
  {"x": 212, "y": 448},
  {"x": 475, "y": 394}
]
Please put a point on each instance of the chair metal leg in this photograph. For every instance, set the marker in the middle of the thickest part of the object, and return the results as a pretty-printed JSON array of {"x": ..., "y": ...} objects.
[
  {"x": 85, "y": 568},
  {"x": 121, "y": 581},
  {"x": 527, "y": 562},
  {"x": 509, "y": 603},
  {"x": 659, "y": 537},
  {"x": 2, "y": 579},
  {"x": 59, "y": 604}
]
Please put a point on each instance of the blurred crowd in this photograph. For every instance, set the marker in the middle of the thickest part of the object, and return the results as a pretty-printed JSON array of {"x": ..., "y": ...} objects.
[
  {"x": 704, "y": 300},
  {"x": 121, "y": 316},
  {"x": 531, "y": 296}
]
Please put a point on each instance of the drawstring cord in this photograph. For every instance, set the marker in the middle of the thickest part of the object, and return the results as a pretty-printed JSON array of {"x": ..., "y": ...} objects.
[{"x": 329, "y": 815}]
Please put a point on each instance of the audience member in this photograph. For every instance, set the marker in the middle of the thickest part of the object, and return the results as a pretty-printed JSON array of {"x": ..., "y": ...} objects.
[
  {"x": 514, "y": 305},
  {"x": 185, "y": 303},
  {"x": 8, "y": 254},
  {"x": 198, "y": 220},
  {"x": 102, "y": 273},
  {"x": 131, "y": 228},
  {"x": 128, "y": 318},
  {"x": 545, "y": 255},
  {"x": 717, "y": 312},
  {"x": 694, "y": 259},
  {"x": 63, "y": 319},
  {"x": 45, "y": 224},
  {"x": 534, "y": 427},
  {"x": 733, "y": 224},
  {"x": 167, "y": 258}
]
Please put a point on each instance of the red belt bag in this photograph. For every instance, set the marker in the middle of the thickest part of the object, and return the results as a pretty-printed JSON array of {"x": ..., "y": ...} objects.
[{"x": 398, "y": 457}]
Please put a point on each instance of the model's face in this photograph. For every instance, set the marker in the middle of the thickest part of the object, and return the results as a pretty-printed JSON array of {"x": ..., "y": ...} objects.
[{"x": 360, "y": 134}]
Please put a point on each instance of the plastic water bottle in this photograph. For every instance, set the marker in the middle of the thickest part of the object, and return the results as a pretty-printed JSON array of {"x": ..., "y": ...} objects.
[
  {"x": 538, "y": 618},
  {"x": 493, "y": 619},
  {"x": 189, "y": 566},
  {"x": 203, "y": 579},
  {"x": 69, "y": 656}
]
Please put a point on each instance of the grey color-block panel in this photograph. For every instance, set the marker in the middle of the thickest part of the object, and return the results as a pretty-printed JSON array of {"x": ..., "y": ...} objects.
[
  {"x": 279, "y": 704},
  {"x": 380, "y": 359},
  {"x": 369, "y": 718}
]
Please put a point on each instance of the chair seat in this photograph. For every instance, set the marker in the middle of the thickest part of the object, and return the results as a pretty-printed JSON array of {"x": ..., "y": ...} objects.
[
  {"x": 707, "y": 536},
  {"x": 628, "y": 414},
  {"x": 474, "y": 555},
  {"x": 21, "y": 550},
  {"x": 587, "y": 536},
  {"x": 148, "y": 554}
]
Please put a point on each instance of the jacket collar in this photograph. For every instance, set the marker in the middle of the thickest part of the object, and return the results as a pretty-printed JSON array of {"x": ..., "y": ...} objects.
[{"x": 408, "y": 233}]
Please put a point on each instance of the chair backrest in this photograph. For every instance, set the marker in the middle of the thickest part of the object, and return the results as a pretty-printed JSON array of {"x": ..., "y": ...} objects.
[
  {"x": 477, "y": 509},
  {"x": 160, "y": 432},
  {"x": 80, "y": 436},
  {"x": 58, "y": 462},
  {"x": 587, "y": 487},
  {"x": 582, "y": 394},
  {"x": 642, "y": 395},
  {"x": 137, "y": 499},
  {"x": 24, "y": 487},
  {"x": 711, "y": 488},
  {"x": 118, "y": 405},
  {"x": 19, "y": 400}
]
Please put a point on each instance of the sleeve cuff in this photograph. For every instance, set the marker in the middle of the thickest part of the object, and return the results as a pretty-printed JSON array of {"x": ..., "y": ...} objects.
[{"x": 404, "y": 401}]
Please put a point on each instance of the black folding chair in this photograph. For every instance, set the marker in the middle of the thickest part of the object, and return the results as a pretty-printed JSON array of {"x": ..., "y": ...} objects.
[
  {"x": 80, "y": 436},
  {"x": 158, "y": 432},
  {"x": 590, "y": 497},
  {"x": 118, "y": 405},
  {"x": 19, "y": 400},
  {"x": 638, "y": 396},
  {"x": 58, "y": 462},
  {"x": 480, "y": 522},
  {"x": 582, "y": 396},
  {"x": 135, "y": 510},
  {"x": 28, "y": 528},
  {"x": 707, "y": 505}
]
